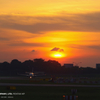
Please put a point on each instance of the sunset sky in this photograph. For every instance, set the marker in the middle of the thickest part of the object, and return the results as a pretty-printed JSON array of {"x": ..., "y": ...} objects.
[{"x": 32, "y": 29}]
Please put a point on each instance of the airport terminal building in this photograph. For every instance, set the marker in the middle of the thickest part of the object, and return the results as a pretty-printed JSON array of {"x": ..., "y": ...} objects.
[
  {"x": 98, "y": 66},
  {"x": 68, "y": 65}
]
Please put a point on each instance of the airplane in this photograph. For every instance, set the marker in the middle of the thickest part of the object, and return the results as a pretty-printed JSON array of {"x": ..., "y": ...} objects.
[{"x": 30, "y": 74}]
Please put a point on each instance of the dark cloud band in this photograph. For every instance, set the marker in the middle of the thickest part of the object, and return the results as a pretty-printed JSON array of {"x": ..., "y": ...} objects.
[{"x": 79, "y": 22}]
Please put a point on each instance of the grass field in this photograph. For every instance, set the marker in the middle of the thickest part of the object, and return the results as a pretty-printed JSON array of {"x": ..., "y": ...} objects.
[{"x": 51, "y": 93}]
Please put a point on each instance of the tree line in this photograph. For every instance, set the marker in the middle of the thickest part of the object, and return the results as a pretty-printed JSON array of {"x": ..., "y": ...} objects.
[{"x": 40, "y": 65}]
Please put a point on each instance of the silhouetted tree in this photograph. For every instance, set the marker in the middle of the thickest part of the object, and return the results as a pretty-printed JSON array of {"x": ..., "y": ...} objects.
[
  {"x": 49, "y": 67},
  {"x": 15, "y": 63},
  {"x": 28, "y": 65},
  {"x": 39, "y": 64},
  {"x": 5, "y": 66},
  {"x": 52, "y": 66}
]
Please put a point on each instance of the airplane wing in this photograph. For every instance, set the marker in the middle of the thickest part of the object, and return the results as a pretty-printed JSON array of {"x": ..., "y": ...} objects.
[
  {"x": 27, "y": 74},
  {"x": 22, "y": 74}
]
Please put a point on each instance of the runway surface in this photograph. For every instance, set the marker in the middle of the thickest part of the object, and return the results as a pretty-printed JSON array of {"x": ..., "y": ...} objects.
[
  {"x": 15, "y": 84},
  {"x": 14, "y": 78},
  {"x": 27, "y": 78}
]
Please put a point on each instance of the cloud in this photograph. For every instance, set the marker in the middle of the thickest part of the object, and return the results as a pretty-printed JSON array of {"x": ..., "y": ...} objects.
[
  {"x": 57, "y": 49},
  {"x": 4, "y": 39},
  {"x": 27, "y": 44},
  {"x": 78, "y": 22},
  {"x": 61, "y": 50},
  {"x": 96, "y": 47},
  {"x": 33, "y": 50}
]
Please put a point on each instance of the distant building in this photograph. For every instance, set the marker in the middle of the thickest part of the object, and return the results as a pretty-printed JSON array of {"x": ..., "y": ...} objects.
[
  {"x": 68, "y": 65},
  {"x": 97, "y": 66}
]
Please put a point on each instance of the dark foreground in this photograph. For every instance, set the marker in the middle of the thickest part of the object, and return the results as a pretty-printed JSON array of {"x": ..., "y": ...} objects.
[{"x": 51, "y": 93}]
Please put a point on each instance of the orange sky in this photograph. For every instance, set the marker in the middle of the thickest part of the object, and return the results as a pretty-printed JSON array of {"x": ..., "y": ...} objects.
[{"x": 31, "y": 29}]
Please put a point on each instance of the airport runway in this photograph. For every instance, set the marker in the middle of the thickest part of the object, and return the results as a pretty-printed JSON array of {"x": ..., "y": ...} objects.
[
  {"x": 27, "y": 78},
  {"x": 58, "y": 85},
  {"x": 14, "y": 78}
]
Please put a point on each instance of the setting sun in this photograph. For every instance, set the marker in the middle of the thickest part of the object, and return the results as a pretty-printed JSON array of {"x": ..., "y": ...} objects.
[{"x": 57, "y": 55}]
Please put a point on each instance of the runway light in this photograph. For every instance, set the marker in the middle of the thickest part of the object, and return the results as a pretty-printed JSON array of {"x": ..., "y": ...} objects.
[
  {"x": 30, "y": 76},
  {"x": 64, "y": 96}
]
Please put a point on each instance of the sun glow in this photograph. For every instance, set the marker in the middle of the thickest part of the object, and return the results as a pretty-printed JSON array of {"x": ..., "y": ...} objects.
[{"x": 57, "y": 55}]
